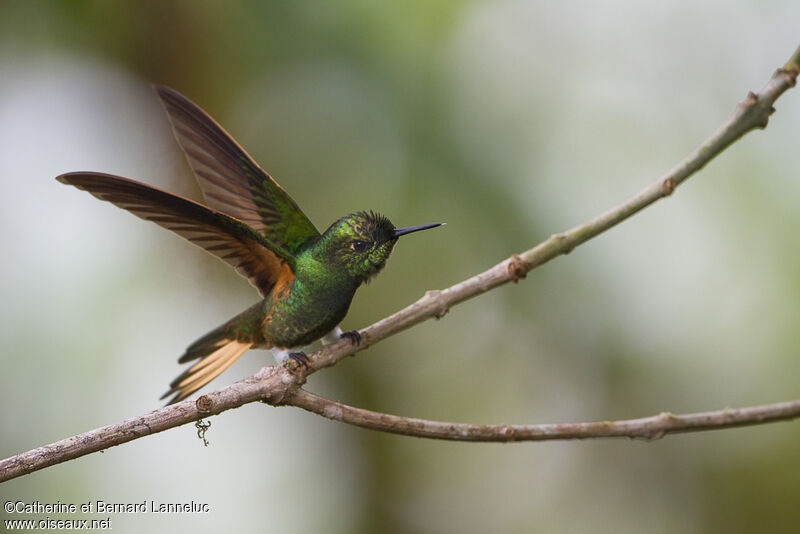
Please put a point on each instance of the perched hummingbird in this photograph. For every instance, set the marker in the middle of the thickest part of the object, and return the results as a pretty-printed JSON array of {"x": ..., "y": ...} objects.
[{"x": 307, "y": 279}]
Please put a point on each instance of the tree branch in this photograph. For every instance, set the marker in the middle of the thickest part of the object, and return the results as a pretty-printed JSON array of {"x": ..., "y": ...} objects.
[
  {"x": 280, "y": 384},
  {"x": 649, "y": 428}
]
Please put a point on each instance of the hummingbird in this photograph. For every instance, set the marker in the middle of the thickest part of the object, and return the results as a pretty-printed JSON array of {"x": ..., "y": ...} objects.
[{"x": 306, "y": 279}]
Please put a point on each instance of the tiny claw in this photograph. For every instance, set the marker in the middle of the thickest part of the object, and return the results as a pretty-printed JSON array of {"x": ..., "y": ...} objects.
[
  {"x": 300, "y": 358},
  {"x": 353, "y": 335}
]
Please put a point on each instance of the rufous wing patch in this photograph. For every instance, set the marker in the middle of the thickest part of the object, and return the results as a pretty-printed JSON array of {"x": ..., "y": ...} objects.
[{"x": 251, "y": 254}]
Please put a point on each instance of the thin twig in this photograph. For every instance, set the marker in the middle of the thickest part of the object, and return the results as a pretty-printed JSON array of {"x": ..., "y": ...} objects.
[
  {"x": 648, "y": 428},
  {"x": 276, "y": 385}
]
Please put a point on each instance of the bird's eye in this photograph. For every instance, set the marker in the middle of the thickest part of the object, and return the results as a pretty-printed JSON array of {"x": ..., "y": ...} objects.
[{"x": 359, "y": 246}]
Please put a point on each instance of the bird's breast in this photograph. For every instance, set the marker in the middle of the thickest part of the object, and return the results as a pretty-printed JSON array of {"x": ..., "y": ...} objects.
[{"x": 299, "y": 313}]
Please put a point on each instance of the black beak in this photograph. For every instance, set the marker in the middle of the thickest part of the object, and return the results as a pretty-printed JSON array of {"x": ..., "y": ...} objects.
[{"x": 397, "y": 232}]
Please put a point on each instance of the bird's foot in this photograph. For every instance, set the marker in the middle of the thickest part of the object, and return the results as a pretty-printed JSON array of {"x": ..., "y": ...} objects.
[
  {"x": 353, "y": 335},
  {"x": 300, "y": 358}
]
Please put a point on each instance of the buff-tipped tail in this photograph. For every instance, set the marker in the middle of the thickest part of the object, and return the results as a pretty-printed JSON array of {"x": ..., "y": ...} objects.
[{"x": 216, "y": 354}]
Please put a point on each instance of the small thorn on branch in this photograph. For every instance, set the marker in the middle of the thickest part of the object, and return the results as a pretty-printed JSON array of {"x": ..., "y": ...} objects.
[{"x": 750, "y": 100}]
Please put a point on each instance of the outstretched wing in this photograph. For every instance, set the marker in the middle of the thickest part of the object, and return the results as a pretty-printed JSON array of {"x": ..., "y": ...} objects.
[
  {"x": 231, "y": 180},
  {"x": 250, "y": 253}
]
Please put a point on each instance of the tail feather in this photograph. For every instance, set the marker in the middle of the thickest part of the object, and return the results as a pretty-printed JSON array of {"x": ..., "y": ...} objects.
[
  {"x": 204, "y": 362},
  {"x": 215, "y": 339},
  {"x": 216, "y": 354}
]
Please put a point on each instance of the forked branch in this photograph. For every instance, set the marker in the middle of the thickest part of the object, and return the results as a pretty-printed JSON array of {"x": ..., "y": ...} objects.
[{"x": 648, "y": 428}]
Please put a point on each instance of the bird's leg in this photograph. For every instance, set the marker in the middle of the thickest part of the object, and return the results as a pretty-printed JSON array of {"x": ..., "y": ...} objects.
[
  {"x": 300, "y": 358},
  {"x": 281, "y": 355},
  {"x": 332, "y": 337},
  {"x": 336, "y": 334},
  {"x": 353, "y": 335}
]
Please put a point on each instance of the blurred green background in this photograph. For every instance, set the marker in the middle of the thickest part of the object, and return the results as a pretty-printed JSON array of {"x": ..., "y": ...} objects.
[{"x": 508, "y": 120}]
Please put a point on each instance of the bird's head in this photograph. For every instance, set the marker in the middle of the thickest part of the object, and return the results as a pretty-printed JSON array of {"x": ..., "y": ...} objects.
[{"x": 359, "y": 244}]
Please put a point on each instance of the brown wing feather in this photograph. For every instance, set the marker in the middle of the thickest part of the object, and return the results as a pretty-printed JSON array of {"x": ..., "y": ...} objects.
[
  {"x": 232, "y": 182},
  {"x": 250, "y": 253}
]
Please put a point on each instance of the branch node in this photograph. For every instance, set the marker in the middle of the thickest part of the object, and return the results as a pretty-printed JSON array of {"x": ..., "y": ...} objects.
[
  {"x": 443, "y": 308},
  {"x": 432, "y": 294},
  {"x": 333, "y": 412},
  {"x": 517, "y": 268},
  {"x": 297, "y": 373},
  {"x": 667, "y": 186},
  {"x": 762, "y": 112},
  {"x": 654, "y": 435},
  {"x": 750, "y": 100},
  {"x": 789, "y": 74},
  {"x": 204, "y": 404},
  {"x": 508, "y": 432},
  {"x": 272, "y": 400},
  {"x": 562, "y": 237}
]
